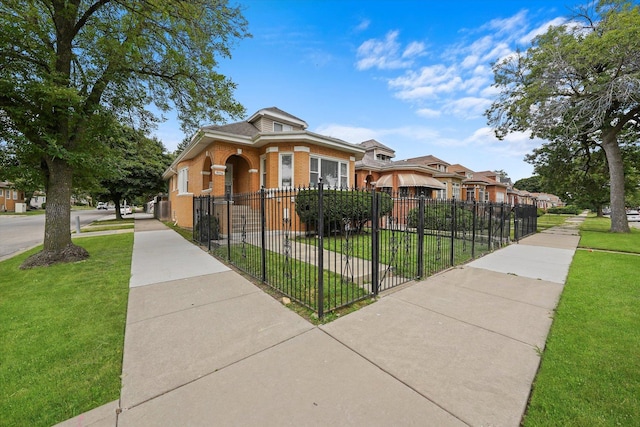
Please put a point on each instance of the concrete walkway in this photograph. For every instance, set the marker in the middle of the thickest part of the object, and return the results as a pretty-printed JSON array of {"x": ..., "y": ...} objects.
[{"x": 204, "y": 346}]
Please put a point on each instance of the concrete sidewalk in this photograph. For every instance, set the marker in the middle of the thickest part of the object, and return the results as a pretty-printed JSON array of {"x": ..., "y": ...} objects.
[{"x": 204, "y": 346}]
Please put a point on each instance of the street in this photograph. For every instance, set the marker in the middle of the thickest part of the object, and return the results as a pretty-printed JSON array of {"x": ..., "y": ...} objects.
[{"x": 19, "y": 233}]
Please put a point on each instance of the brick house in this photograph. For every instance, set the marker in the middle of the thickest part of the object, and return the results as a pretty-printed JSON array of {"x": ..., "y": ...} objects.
[
  {"x": 9, "y": 196},
  {"x": 271, "y": 149},
  {"x": 409, "y": 177}
]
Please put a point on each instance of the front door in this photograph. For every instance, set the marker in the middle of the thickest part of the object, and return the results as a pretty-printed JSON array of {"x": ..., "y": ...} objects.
[{"x": 228, "y": 179}]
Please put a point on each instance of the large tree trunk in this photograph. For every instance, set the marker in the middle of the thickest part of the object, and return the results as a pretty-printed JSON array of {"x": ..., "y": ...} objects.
[
  {"x": 57, "y": 235},
  {"x": 619, "y": 223}
]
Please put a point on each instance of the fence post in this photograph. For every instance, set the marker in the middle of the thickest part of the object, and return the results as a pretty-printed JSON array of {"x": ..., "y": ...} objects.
[
  {"x": 515, "y": 223},
  {"x": 502, "y": 221},
  {"x": 473, "y": 231},
  {"x": 453, "y": 228},
  {"x": 320, "y": 302},
  {"x": 227, "y": 197},
  {"x": 263, "y": 222},
  {"x": 208, "y": 201},
  {"x": 489, "y": 247},
  {"x": 421, "y": 236},
  {"x": 375, "y": 254}
]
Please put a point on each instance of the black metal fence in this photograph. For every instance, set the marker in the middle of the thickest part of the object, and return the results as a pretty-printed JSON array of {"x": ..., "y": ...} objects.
[{"x": 327, "y": 248}]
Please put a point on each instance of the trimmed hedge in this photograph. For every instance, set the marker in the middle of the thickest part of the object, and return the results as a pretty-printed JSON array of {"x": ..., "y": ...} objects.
[
  {"x": 341, "y": 208},
  {"x": 438, "y": 217},
  {"x": 567, "y": 210}
]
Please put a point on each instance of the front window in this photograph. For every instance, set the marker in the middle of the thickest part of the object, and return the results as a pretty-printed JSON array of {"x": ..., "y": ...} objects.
[
  {"x": 279, "y": 127},
  {"x": 456, "y": 190},
  {"x": 286, "y": 170},
  {"x": 183, "y": 181},
  {"x": 333, "y": 173},
  {"x": 263, "y": 171},
  {"x": 15, "y": 195},
  {"x": 471, "y": 193}
]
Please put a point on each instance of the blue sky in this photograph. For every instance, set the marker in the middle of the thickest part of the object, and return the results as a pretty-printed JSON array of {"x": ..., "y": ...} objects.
[{"x": 414, "y": 75}]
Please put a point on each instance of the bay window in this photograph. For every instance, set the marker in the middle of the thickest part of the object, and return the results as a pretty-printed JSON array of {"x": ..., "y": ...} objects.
[{"x": 334, "y": 173}]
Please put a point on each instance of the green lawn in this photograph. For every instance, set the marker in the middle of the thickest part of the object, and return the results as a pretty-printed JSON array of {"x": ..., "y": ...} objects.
[
  {"x": 590, "y": 373},
  {"x": 399, "y": 249},
  {"x": 295, "y": 278},
  {"x": 551, "y": 220},
  {"x": 62, "y": 333}
]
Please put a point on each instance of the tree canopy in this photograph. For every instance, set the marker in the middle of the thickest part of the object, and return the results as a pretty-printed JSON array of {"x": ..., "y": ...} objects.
[
  {"x": 135, "y": 170},
  {"x": 578, "y": 82},
  {"x": 71, "y": 66}
]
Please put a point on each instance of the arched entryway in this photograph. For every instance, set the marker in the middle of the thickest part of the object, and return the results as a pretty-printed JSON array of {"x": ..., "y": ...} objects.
[{"x": 237, "y": 178}]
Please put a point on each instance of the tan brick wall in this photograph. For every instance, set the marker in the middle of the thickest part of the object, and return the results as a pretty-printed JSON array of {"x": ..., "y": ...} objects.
[{"x": 248, "y": 158}]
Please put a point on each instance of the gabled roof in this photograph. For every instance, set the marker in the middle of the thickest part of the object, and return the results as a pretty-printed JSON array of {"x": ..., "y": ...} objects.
[
  {"x": 427, "y": 160},
  {"x": 239, "y": 128},
  {"x": 277, "y": 113},
  {"x": 372, "y": 143}
]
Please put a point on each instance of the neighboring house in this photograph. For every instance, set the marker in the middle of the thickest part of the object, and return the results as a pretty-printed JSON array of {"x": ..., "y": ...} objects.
[
  {"x": 271, "y": 149},
  {"x": 429, "y": 176},
  {"x": 9, "y": 196},
  {"x": 405, "y": 178},
  {"x": 38, "y": 199},
  {"x": 546, "y": 201}
]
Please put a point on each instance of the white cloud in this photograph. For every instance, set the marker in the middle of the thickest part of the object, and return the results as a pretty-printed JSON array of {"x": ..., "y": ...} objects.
[
  {"x": 385, "y": 54},
  {"x": 468, "y": 107},
  {"x": 428, "y": 113},
  {"x": 355, "y": 134},
  {"x": 510, "y": 26},
  {"x": 414, "y": 49},
  {"x": 351, "y": 134},
  {"x": 516, "y": 144},
  {"x": 541, "y": 29},
  {"x": 363, "y": 25},
  {"x": 427, "y": 83}
]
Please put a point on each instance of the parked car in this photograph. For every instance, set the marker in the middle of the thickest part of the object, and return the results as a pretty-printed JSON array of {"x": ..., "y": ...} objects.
[
  {"x": 102, "y": 205},
  {"x": 125, "y": 209},
  {"x": 633, "y": 215}
]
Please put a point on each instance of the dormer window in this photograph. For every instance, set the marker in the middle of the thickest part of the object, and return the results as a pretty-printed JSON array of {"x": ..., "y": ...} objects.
[{"x": 279, "y": 127}]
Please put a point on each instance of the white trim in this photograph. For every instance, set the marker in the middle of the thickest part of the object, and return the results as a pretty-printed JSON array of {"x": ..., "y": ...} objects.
[
  {"x": 280, "y": 170},
  {"x": 253, "y": 170},
  {"x": 302, "y": 149},
  {"x": 352, "y": 159},
  {"x": 272, "y": 150},
  {"x": 205, "y": 172},
  {"x": 275, "y": 115},
  {"x": 219, "y": 167},
  {"x": 338, "y": 160}
]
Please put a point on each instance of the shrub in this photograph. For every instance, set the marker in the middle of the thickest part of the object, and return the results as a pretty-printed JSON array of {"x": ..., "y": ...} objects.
[
  {"x": 567, "y": 210},
  {"x": 539, "y": 212},
  {"x": 201, "y": 227},
  {"x": 438, "y": 217},
  {"x": 340, "y": 208}
]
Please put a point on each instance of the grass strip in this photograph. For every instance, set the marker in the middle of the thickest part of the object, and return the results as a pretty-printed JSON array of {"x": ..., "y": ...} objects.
[
  {"x": 551, "y": 220},
  {"x": 295, "y": 278},
  {"x": 589, "y": 375},
  {"x": 62, "y": 333},
  {"x": 594, "y": 234}
]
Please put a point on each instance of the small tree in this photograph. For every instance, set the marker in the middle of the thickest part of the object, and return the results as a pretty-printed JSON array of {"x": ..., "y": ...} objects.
[{"x": 135, "y": 171}]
